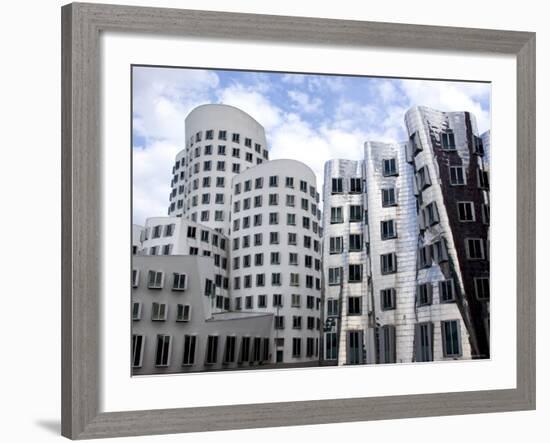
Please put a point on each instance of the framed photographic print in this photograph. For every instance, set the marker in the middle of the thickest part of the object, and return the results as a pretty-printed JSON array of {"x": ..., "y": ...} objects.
[{"x": 274, "y": 221}]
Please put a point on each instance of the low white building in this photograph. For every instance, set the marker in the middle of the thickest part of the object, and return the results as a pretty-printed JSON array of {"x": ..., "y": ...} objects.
[{"x": 175, "y": 329}]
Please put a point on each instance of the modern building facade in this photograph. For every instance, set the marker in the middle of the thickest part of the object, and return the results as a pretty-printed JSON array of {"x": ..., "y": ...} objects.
[
  {"x": 175, "y": 329},
  {"x": 246, "y": 270},
  {"x": 424, "y": 293},
  {"x": 254, "y": 225},
  {"x": 454, "y": 211},
  {"x": 221, "y": 142},
  {"x": 346, "y": 263},
  {"x": 276, "y": 253}
]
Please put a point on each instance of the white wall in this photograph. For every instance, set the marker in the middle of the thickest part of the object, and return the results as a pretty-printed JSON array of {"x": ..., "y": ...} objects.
[{"x": 30, "y": 116}]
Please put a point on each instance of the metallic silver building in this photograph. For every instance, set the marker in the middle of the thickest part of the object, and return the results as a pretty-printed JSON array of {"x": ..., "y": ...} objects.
[{"x": 422, "y": 291}]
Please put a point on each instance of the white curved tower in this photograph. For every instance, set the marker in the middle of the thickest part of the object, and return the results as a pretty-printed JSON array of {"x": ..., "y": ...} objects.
[
  {"x": 221, "y": 141},
  {"x": 276, "y": 253}
]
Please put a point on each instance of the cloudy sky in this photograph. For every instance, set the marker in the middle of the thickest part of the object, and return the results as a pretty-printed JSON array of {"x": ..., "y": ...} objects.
[{"x": 311, "y": 118}]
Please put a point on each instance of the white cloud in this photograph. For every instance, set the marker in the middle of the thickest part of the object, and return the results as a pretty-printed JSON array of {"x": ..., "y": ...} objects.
[
  {"x": 304, "y": 102},
  {"x": 152, "y": 169},
  {"x": 450, "y": 96},
  {"x": 162, "y": 98},
  {"x": 253, "y": 102}
]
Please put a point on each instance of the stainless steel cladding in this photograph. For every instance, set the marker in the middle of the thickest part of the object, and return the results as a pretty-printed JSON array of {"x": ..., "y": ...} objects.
[{"x": 415, "y": 285}]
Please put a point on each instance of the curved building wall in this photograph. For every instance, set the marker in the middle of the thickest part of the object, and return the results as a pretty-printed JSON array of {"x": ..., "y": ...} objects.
[
  {"x": 276, "y": 253},
  {"x": 401, "y": 239},
  {"x": 221, "y": 141},
  {"x": 344, "y": 246},
  {"x": 177, "y": 236},
  {"x": 426, "y": 150}
]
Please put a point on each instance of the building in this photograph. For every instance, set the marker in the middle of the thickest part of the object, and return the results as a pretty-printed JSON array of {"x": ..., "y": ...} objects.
[
  {"x": 247, "y": 271},
  {"x": 453, "y": 196},
  {"x": 253, "y": 225},
  {"x": 346, "y": 263},
  {"x": 408, "y": 280},
  {"x": 221, "y": 141},
  {"x": 276, "y": 253},
  {"x": 175, "y": 329}
]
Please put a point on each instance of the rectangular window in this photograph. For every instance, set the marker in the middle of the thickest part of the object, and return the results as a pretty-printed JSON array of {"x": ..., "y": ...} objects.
[
  {"x": 289, "y": 182},
  {"x": 482, "y": 179},
  {"x": 485, "y": 214},
  {"x": 294, "y": 279},
  {"x": 354, "y": 305},
  {"x": 273, "y": 218},
  {"x": 331, "y": 352},
  {"x": 388, "y": 263},
  {"x": 457, "y": 175},
  {"x": 162, "y": 356},
  {"x": 387, "y": 299},
  {"x": 446, "y": 291},
  {"x": 450, "y": 337},
  {"x": 439, "y": 251},
  {"x": 183, "y": 313},
  {"x": 336, "y": 215},
  {"x": 389, "y": 167},
  {"x": 478, "y": 146},
  {"x": 296, "y": 322},
  {"x": 236, "y": 137},
  {"x": 431, "y": 214},
  {"x": 179, "y": 282},
  {"x": 155, "y": 280},
  {"x": 138, "y": 343},
  {"x": 354, "y": 348},
  {"x": 475, "y": 249},
  {"x": 332, "y": 307},
  {"x": 211, "y": 350},
  {"x": 355, "y": 186},
  {"x": 336, "y": 245},
  {"x": 424, "y": 257},
  {"x": 337, "y": 185},
  {"x": 229, "y": 351},
  {"x": 423, "y": 342},
  {"x": 355, "y": 213},
  {"x": 244, "y": 353},
  {"x": 135, "y": 278},
  {"x": 387, "y": 229},
  {"x": 448, "y": 140},
  {"x": 277, "y": 300},
  {"x": 256, "y": 349},
  {"x": 386, "y": 342},
  {"x": 159, "y": 311},
  {"x": 423, "y": 178},
  {"x": 279, "y": 322},
  {"x": 276, "y": 279},
  {"x": 424, "y": 294},
  {"x": 466, "y": 211},
  {"x": 273, "y": 181},
  {"x": 136, "y": 311},
  {"x": 273, "y": 199},
  {"x": 388, "y": 197},
  {"x": 296, "y": 347},
  {"x": 292, "y": 238},
  {"x": 355, "y": 273},
  {"x": 334, "y": 276},
  {"x": 482, "y": 288}
]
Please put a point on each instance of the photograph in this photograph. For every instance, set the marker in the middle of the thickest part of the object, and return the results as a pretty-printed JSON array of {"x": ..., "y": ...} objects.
[{"x": 288, "y": 220}]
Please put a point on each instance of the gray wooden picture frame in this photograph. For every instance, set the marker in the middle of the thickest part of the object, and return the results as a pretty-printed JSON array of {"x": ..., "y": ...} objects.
[{"x": 81, "y": 208}]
